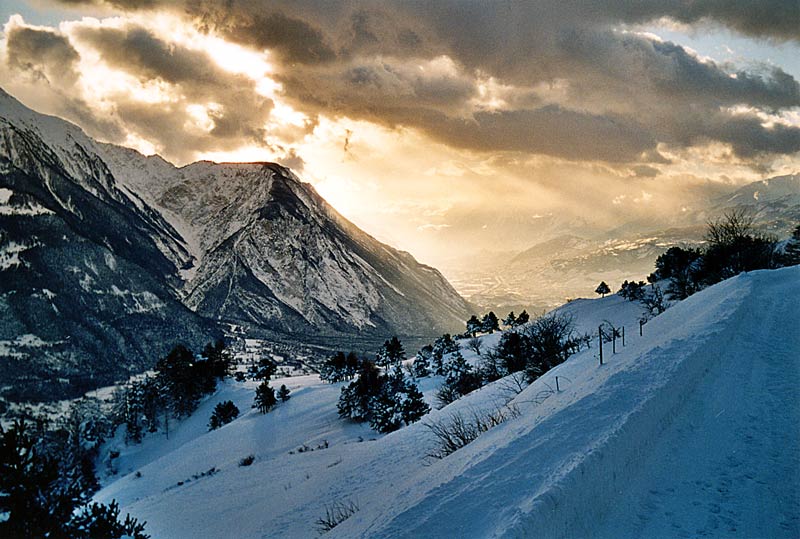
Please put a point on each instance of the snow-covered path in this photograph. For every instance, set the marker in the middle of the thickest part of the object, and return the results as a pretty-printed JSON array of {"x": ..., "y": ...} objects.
[
  {"x": 691, "y": 431},
  {"x": 729, "y": 464}
]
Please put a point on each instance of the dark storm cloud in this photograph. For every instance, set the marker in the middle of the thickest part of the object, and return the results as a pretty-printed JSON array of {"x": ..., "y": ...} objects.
[
  {"x": 44, "y": 54},
  {"x": 549, "y": 130},
  {"x": 623, "y": 93},
  {"x": 50, "y": 61},
  {"x": 292, "y": 39}
]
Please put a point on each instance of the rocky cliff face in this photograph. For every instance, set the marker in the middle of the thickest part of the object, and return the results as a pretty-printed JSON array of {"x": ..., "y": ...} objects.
[{"x": 108, "y": 258}]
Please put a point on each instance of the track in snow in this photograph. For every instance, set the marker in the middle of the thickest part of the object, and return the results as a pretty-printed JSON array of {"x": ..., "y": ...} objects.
[{"x": 729, "y": 463}]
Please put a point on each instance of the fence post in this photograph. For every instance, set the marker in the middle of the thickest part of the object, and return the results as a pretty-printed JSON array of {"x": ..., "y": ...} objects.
[
  {"x": 641, "y": 323},
  {"x": 613, "y": 340},
  {"x": 557, "y": 389},
  {"x": 623, "y": 335},
  {"x": 600, "y": 336}
]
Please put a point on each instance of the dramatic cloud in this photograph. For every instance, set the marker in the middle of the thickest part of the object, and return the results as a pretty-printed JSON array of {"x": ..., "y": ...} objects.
[{"x": 556, "y": 102}]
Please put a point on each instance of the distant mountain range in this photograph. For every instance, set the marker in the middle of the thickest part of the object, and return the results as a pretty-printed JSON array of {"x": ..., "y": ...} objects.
[
  {"x": 108, "y": 258},
  {"x": 569, "y": 265}
]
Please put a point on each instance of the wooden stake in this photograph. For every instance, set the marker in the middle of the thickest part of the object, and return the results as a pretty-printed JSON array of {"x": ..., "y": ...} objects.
[{"x": 600, "y": 336}]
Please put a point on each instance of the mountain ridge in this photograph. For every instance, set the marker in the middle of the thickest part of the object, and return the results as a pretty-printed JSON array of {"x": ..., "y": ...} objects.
[{"x": 139, "y": 248}]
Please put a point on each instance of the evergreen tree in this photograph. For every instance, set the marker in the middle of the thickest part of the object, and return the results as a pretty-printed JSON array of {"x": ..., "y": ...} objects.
[
  {"x": 264, "y": 369},
  {"x": 414, "y": 405},
  {"x": 460, "y": 378},
  {"x": 442, "y": 346},
  {"x": 265, "y": 397},
  {"x": 386, "y": 413},
  {"x": 334, "y": 369},
  {"x": 98, "y": 521},
  {"x": 354, "y": 401},
  {"x": 396, "y": 402},
  {"x": 218, "y": 361},
  {"x": 474, "y": 325},
  {"x": 32, "y": 496},
  {"x": 791, "y": 252},
  {"x": 178, "y": 375},
  {"x": 523, "y": 318},
  {"x": 490, "y": 323},
  {"x": 39, "y": 497},
  {"x": 391, "y": 353},
  {"x": 602, "y": 289},
  {"x": 510, "y": 321},
  {"x": 422, "y": 362},
  {"x": 283, "y": 393},
  {"x": 513, "y": 351},
  {"x": 224, "y": 413}
]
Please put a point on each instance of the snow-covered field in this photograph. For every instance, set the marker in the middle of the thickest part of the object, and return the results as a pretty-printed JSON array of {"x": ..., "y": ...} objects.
[{"x": 692, "y": 430}]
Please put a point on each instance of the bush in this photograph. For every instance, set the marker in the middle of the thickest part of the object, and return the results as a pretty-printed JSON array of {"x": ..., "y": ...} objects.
[
  {"x": 458, "y": 429},
  {"x": 224, "y": 413},
  {"x": 475, "y": 344},
  {"x": 336, "y": 513},
  {"x": 247, "y": 461},
  {"x": 552, "y": 340}
]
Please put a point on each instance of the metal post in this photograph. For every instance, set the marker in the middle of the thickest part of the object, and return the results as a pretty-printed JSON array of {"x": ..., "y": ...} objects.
[
  {"x": 613, "y": 340},
  {"x": 557, "y": 389},
  {"x": 600, "y": 336},
  {"x": 623, "y": 335},
  {"x": 641, "y": 323}
]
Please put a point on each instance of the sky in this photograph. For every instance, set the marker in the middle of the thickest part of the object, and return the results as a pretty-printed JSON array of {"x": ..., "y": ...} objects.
[{"x": 436, "y": 125}]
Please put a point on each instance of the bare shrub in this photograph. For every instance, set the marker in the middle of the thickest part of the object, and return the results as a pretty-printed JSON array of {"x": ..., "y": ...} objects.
[
  {"x": 335, "y": 513},
  {"x": 475, "y": 345},
  {"x": 513, "y": 385},
  {"x": 458, "y": 430}
]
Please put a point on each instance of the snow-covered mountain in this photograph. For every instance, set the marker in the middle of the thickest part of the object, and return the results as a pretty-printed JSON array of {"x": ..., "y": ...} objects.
[
  {"x": 688, "y": 430},
  {"x": 270, "y": 251},
  {"x": 108, "y": 257},
  {"x": 87, "y": 271}
]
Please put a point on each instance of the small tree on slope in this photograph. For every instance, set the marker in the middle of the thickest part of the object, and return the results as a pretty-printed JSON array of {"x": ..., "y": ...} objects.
[
  {"x": 602, "y": 289},
  {"x": 265, "y": 397}
]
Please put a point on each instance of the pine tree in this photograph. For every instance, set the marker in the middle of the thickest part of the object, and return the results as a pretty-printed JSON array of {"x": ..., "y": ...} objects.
[
  {"x": 334, "y": 369},
  {"x": 40, "y": 496},
  {"x": 474, "y": 325},
  {"x": 283, "y": 393},
  {"x": 523, "y": 318},
  {"x": 422, "y": 362},
  {"x": 178, "y": 374},
  {"x": 791, "y": 252},
  {"x": 490, "y": 323},
  {"x": 98, "y": 521},
  {"x": 602, "y": 289},
  {"x": 510, "y": 320},
  {"x": 265, "y": 397},
  {"x": 391, "y": 353},
  {"x": 398, "y": 401},
  {"x": 354, "y": 401},
  {"x": 414, "y": 405},
  {"x": 264, "y": 369},
  {"x": 224, "y": 413}
]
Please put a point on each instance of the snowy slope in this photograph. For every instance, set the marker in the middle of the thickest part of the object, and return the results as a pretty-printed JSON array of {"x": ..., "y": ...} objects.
[{"x": 691, "y": 430}]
